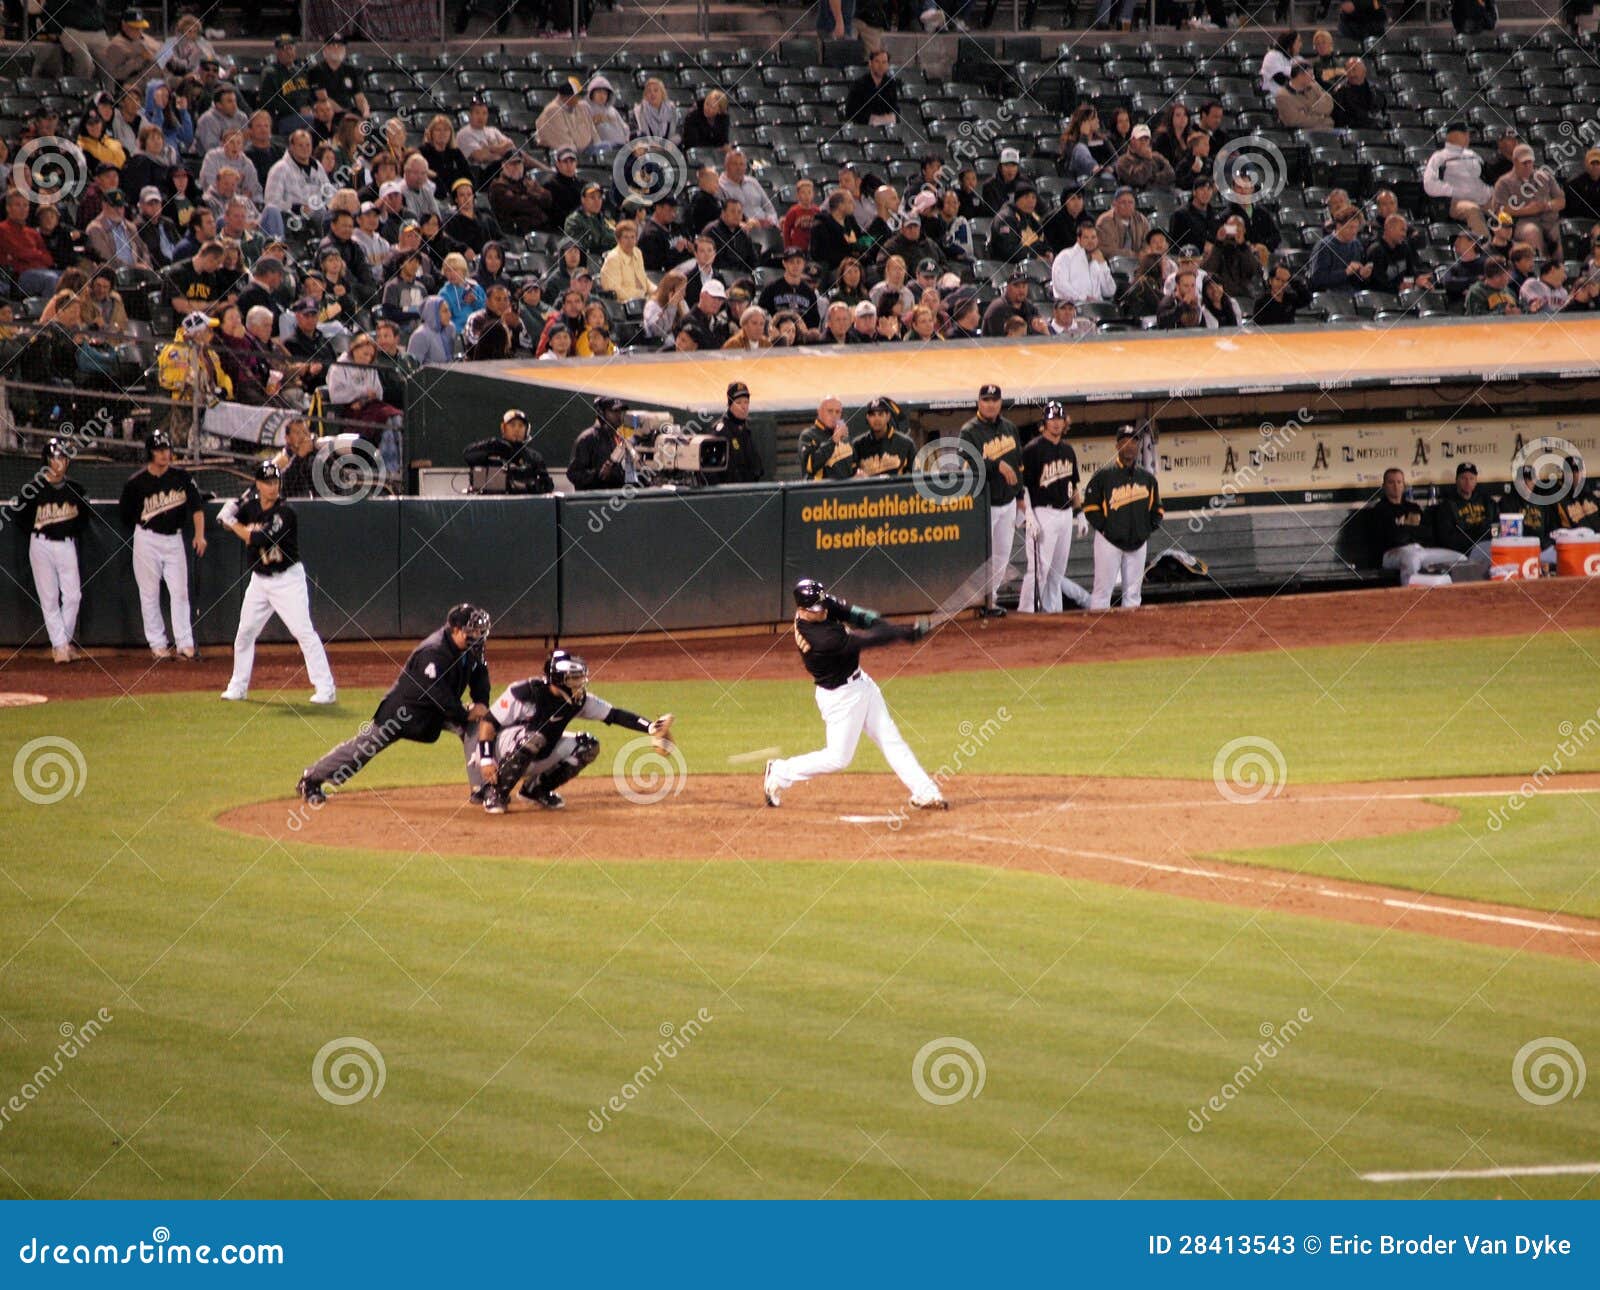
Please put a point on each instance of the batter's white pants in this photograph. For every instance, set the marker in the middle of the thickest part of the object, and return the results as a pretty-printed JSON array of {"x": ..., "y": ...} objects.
[
  {"x": 287, "y": 595},
  {"x": 55, "y": 578},
  {"x": 1110, "y": 561},
  {"x": 158, "y": 558},
  {"x": 1409, "y": 559},
  {"x": 854, "y": 709},
  {"x": 1048, "y": 549},
  {"x": 1002, "y": 533}
]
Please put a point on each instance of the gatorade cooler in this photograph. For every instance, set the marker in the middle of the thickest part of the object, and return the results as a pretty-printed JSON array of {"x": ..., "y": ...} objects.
[
  {"x": 1514, "y": 557},
  {"x": 1577, "y": 553}
]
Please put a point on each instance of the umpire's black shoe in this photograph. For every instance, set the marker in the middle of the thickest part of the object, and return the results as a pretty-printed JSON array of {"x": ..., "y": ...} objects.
[
  {"x": 310, "y": 791},
  {"x": 545, "y": 797},
  {"x": 494, "y": 801}
]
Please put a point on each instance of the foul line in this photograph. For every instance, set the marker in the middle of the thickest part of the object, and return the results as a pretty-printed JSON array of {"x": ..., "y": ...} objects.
[{"x": 1510, "y": 1171}]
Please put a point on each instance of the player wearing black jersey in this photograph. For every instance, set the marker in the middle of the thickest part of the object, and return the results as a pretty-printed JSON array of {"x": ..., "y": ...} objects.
[
  {"x": 1053, "y": 513},
  {"x": 830, "y": 634},
  {"x": 155, "y": 502},
  {"x": 53, "y": 511}
]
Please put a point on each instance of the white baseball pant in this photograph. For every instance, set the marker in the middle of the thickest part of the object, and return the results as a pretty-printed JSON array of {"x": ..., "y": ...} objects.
[
  {"x": 55, "y": 578},
  {"x": 158, "y": 558},
  {"x": 287, "y": 595},
  {"x": 854, "y": 709},
  {"x": 1048, "y": 546},
  {"x": 1409, "y": 559},
  {"x": 1002, "y": 533},
  {"x": 1110, "y": 561}
]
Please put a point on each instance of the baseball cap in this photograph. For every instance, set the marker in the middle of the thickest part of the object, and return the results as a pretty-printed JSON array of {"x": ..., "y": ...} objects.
[
  {"x": 1010, "y": 157},
  {"x": 149, "y": 193},
  {"x": 927, "y": 266},
  {"x": 1016, "y": 276},
  {"x": 1055, "y": 410},
  {"x": 133, "y": 18},
  {"x": 1466, "y": 468},
  {"x": 1126, "y": 432},
  {"x": 455, "y": 187},
  {"x": 737, "y": 390},
  {"x": 1140, "y": 131},
  {"x": 393, "y": 188},
  {"x": 1025, "y": 186},
  {"x": 880, "y": 404},
  {"x": 793, "y": 253},
  {"x": 369, "y": 208},
  {"x": 195, "y": 323},
  {"x": 711, "y": 287},
  {"x": 582, "y": 271},
  {"x": 865, "y": 309},
  {"x": 116, "y": 197},
  {"x": 305, "y": 305},
  {"x": 989, "y": 391},
  {"x": 513, "y": 414},
  {"x": 566, "y": 154},
  {"x": 268, "y": 472},
  {"x": 283, "y": 41},
  {"x": 590, "y": 187},
  {"x": 1124, "y": 190}
]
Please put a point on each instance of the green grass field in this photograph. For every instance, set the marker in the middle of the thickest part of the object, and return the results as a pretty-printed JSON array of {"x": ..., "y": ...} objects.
[{"x": 511, "y": 1000}]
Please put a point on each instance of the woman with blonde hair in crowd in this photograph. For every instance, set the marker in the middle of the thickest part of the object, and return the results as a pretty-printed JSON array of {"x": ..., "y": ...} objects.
[
  {"x": 622, "y": 272},
  {"x": 666, "y": 309},
  {"x": 655, "y": 116},
  {"x": 444, "y": 159},
  {"x": 707, "y": 125}
]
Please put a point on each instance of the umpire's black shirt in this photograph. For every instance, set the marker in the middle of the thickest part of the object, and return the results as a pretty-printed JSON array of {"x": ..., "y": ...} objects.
[{"x": 427, "y": 693}]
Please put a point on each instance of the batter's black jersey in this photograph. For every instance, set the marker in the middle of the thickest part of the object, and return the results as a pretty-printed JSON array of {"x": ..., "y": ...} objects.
[
  {"x": 996, "y": 441},
  {"x": 1397, "y": 523},
  {"x": 1049, "y": 473},
  {"x": 891, "y": 455},
  {"x": 524, "y": 467},
  {"x": 160, "y": 503},
  {"x": 1123, "y": 504},
  {"x": 54, "y": 511},
  {"x": 540, "y": 708},
  {"x": 428, "y": 689},
  {"x": 276, "y": 548},
  {"x": 831, "y": 650}
]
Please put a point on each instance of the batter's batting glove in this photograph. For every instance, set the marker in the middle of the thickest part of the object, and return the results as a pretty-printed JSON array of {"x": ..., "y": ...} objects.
[{"x": 922, "y": 627}]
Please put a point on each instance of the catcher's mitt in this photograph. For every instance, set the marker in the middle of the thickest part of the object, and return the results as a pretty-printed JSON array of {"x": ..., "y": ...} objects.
[{"x": 661, "y": 733}]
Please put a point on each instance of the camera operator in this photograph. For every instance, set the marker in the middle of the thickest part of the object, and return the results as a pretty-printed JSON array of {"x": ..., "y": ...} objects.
[
  {"x": 601, "y": 457},
  {"x": 744, "y": 460},
  {"x": 524, "y": 468}
]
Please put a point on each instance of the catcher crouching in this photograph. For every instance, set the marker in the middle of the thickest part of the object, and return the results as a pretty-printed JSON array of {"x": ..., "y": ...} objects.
[{"x": 523, "y": 746}]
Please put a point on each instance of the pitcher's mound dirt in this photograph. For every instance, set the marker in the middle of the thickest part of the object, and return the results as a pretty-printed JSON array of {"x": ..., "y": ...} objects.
[{"x": 1128, "y": 832}]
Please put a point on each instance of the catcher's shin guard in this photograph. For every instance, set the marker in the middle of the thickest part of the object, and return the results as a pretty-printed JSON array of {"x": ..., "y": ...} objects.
[
  {"x": 588, "y": 748},
  {"x": 514, "y": 765}
]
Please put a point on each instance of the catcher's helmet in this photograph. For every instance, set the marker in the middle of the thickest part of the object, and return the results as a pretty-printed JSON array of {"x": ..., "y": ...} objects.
[
  {"x": 155, "y": 441},
  {"x": 568, "y": 673},
  {"x": 57, "y": 447},
  {"x": 809, "y": 593},
  {"x": 474, "y": 621}
]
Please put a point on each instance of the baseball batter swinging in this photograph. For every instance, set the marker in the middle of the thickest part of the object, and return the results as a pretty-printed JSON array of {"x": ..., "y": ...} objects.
[
  {"x": 523, "y": 740},
  {"x": 830, "y": 634}
]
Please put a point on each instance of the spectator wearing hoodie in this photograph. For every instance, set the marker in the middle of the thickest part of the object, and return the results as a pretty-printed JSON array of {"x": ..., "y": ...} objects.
[
  {"x": 435, "y": 340},
  {"x": 609, "y": 126},
  {"x": 170, "y": 111},
  {"x": 1455, "y": 173}
]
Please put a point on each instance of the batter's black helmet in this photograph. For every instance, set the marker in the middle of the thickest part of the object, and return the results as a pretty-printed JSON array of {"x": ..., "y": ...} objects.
[
  {"x": 57, "y": 447},
  {"x": 155, "y": 441},
  {"x": 474, "y": 621},
  {"x": 809, "y": 593},
  {"x": 567, "y": 672}
]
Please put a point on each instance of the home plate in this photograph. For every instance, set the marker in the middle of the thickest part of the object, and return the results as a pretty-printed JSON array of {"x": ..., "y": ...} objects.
[{"x": 871, "y": 819}]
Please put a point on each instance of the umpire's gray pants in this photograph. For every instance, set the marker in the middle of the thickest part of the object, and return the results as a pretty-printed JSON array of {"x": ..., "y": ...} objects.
[{"x": 343, "y": 762}]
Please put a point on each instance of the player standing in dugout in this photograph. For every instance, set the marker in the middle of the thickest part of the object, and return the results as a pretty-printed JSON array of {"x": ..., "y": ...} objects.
[
  {"x": 997, "y": 444},
  {"x": 53, "y": 511},
  {"x": 1123, "y": 507}
]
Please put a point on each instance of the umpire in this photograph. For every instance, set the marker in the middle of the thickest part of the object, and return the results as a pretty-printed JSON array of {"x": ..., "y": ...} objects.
[{"x": 424, "y": 700}]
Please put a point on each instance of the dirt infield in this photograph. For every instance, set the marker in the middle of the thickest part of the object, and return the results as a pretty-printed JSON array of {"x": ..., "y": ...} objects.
[
  {"x": 1155, "y": 631},
  {"x": 1145, "y": 834}
]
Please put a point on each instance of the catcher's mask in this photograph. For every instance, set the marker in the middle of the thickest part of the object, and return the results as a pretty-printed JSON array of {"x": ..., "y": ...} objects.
[
  {"x": 568, "y": 673},
  {"x": 809, "y": 593},
  {"x": 473, "y": 621}
]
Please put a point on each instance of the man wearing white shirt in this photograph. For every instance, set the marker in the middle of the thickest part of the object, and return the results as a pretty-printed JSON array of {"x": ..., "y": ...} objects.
[
  {"x": 297, "y": 183},
  {"x": 481, "y": 143},
  {"x": 758, "y": 208},
  {"x": 1081, "y": 273},
  {"x": 1455, "y": 171}
]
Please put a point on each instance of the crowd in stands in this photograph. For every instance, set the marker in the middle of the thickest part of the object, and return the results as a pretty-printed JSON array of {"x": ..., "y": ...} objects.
[{"x": 328, "y": 248}]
